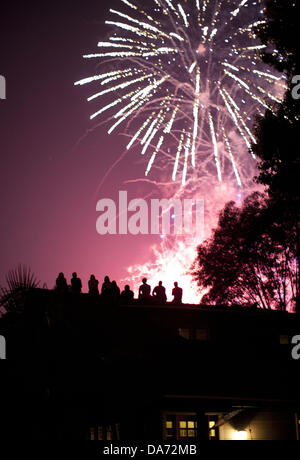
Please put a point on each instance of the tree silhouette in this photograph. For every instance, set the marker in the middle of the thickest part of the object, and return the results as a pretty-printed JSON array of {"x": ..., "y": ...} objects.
[
  {"x": 281, "y": 31},
  {"x": 278, "y": 133},
  {"x": 19, "y": 281},
  {"x": 249, "y": 259},
  {"x": 253, "y": 255}
]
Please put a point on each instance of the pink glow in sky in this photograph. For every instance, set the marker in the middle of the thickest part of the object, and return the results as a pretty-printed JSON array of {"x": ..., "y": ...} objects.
[{"x": 52, "y": 168}]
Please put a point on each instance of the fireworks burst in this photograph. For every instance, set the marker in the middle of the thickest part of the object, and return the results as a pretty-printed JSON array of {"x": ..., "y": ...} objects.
[
  {"x": 171, "y": 259},
  {"x": 184, "y": 80}
]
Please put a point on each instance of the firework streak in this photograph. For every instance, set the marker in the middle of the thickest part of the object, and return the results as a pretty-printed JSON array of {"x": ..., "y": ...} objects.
[{"x": 184, "y": 79}]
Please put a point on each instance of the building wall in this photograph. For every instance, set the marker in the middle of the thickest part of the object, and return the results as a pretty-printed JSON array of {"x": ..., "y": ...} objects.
[{"x": 265, "y": 426}]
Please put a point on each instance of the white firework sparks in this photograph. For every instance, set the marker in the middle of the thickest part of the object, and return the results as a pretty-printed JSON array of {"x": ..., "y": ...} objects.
[{"x": 186, "y": 76}]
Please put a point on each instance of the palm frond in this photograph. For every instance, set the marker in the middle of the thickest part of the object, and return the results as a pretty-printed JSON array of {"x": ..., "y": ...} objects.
[{"x": 19, "y": 281}]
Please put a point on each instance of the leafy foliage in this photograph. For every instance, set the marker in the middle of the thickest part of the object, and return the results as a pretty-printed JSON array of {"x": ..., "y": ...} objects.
[
  {"x": 253, "y": 256},
  {"x": 249, "y": 259},
  {"x": 278, "y": 146},
  {"x": 282, "y": 32},
  {"x": 278, "y": 133}
]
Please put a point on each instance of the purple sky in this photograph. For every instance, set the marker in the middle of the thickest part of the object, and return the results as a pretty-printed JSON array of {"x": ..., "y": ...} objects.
[{"x": 49, "y": 182}]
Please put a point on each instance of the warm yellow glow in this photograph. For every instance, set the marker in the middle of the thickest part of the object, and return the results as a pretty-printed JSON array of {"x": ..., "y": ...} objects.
[
  {"x": 92, "y": 434},
  {"x": 185, "y": 333},
  {"x": 169, "y": 425},
  {"x": 284, "y": 340},
  {"x": 240, "y": 435}
]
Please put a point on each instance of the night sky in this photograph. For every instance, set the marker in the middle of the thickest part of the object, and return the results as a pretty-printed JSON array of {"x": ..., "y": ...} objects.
[{"x": 49, "y": 180}]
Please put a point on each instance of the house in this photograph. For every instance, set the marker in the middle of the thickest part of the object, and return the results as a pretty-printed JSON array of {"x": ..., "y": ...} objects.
[{"x": 91, "y": 370}]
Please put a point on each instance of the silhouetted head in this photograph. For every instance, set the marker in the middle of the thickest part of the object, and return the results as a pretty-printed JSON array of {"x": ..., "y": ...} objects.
[
  {"x": 106, "y": 279},
  {"x": 176, "y": 284},
  {"x": 144, "y": 280},
  {"x": 114, "y": 283},
  {"x": 160, "y": 283},
  {"x": 61, "y": 275},
  {"x": 127, "y": 288},
  {"x": 74, "y": 275},
  {"x": 93, "y": 277}
]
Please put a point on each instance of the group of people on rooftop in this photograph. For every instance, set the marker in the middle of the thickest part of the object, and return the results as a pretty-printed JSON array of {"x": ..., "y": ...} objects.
[{"x": 111, "y": 291}]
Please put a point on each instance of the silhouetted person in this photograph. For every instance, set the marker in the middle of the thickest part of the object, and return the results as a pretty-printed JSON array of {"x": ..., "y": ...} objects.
[
  {"x": 76, "y": 284},
  {"x": 145, "y": 291},
  {"x": 106, "y": 287},
  {"x": 93, "y": 286},
  {"x": 177, "y": 293},
  {"x": 61, "y": 284},
  {"x": 115, "y": 290},
  {"x": 159, "y": 293},
  {"x": 127, "y": 296}
]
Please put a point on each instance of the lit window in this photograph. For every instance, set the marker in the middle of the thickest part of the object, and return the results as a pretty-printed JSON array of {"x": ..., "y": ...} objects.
[
  {"x": 170, "y": 427},
  {"x": 184, "y": 426},
  {"x": 187, "y": 428},
  {"x": 100, "y": 433},
  {"x": 212, "y": 432},
  {"x": 213, "y": 428},
  {"x": 202, "y": 335},
  {"x": 109, "y": 435},
  {"x": 92, "y": 434},
  {"x": 284, "y": 340},
  {"x": 104, "y": 433},
  {"x": 180, "y": 426},
  {"x": 184, "y": 333},
  {"x": 183, "y": 432},
  {"x": 192, "y": 429}
]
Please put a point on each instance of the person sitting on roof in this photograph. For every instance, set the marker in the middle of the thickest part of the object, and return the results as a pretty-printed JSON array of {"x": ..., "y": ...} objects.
[
  {"x": 177, "y": 293},
  {"x": 145, "y": 291},
  {"x": 127, "y": 295},
  {"x": 76, "y": 284},
  {"x": 93, "y": 286},
  {"x": 115, "y": 290},
  {"x": 61, "y": 284},
  {"x": 159, "y": 293},
  {"x": 106, "y": 287}
]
